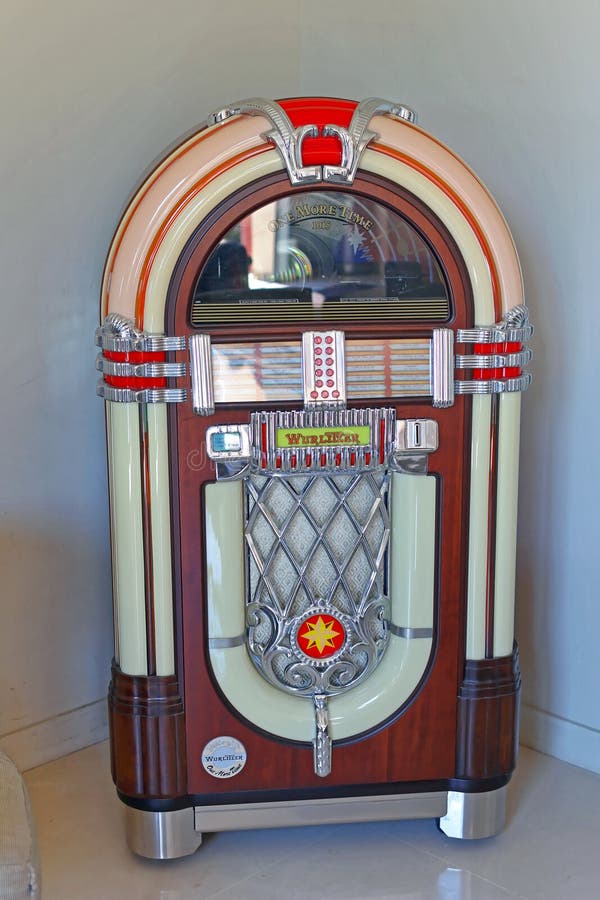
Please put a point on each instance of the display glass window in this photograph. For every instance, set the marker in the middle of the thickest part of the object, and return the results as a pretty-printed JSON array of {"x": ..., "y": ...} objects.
[{"x": 321, "y": 256}]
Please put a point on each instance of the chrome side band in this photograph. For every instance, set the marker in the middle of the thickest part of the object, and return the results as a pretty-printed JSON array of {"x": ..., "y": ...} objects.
[
  {"x": 145, "y": 343},
  {"x": 146, "y": 395},
  {"x": 118, "y": 334},
  {"x": 139, "y": 370},
  {"x": 494, "y": 361},
  {"x": 494, "y": 386},
  {"x": 494, "y": 334},
  {"x": 409, "y": 633}
]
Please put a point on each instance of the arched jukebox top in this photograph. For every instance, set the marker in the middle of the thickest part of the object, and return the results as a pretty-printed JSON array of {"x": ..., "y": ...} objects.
[{"x": 321, "y": 282}]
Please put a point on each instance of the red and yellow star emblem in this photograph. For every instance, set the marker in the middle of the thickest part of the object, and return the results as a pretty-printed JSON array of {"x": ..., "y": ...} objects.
[{"x": 321, "y": 636}]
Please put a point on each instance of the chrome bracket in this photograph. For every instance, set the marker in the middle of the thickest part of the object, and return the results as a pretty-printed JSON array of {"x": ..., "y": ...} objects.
[{"x": 289, "y": 140}]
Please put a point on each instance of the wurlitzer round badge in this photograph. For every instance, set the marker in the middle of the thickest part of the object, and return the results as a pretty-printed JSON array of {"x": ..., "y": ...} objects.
[
  {"x": 320, "y": 636},
  {"x": 224, "y": 757}
]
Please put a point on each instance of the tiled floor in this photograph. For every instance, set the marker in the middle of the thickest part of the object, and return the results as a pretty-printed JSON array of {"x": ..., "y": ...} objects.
[{"x": 550, "y": 849}]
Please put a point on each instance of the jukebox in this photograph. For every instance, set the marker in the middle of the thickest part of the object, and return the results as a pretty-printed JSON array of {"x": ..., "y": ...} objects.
[{"x": 312, "y": 348}]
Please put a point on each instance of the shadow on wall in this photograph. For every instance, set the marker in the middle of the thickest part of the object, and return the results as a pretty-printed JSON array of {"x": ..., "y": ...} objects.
[{"x": 56, "y": 632}]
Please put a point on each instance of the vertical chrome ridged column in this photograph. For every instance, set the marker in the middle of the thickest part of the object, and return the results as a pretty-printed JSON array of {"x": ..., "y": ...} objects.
[
  {"x": 442, "y": 367},
  {"x": 203, "y": 392}
]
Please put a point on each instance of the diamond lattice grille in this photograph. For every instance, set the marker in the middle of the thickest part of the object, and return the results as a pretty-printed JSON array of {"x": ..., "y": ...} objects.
[{"x": 317, "y": 537}]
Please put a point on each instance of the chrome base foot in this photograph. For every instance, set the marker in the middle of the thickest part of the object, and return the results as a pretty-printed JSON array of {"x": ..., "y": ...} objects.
[
  {"x": 472, "y": 816},
  {"x": 161, "y": 835}
]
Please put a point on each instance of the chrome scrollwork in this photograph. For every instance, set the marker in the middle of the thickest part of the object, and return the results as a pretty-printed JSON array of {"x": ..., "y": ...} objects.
[
  {"x": 355, "y": 139},
  {"x": 289, "y": 140},
  {"x": 286, "y": 138},
  {"x": 275, "y": 647}
]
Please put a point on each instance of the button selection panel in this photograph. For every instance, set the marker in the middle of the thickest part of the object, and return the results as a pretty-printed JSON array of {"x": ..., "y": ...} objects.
[{"x": 323, "y": 369}]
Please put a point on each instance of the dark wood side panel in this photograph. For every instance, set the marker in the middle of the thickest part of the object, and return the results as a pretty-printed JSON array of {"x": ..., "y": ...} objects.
[
  {"x": 488, "y": 717},
  {"x": 147, "y": 730}
]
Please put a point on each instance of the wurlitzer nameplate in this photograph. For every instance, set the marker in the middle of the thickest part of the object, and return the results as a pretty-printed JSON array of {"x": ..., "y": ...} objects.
[{"x": 297, "y": 363}]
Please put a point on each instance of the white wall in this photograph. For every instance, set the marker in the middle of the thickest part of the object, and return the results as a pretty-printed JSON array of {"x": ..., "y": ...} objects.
[{"x": 94, "y": 93}]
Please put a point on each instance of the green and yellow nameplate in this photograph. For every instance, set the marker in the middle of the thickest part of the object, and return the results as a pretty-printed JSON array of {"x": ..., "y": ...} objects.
[{"x": 355, "y": 436}]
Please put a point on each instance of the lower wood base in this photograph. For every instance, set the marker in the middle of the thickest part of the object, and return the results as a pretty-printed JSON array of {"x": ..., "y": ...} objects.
[
  {"x": 488, "y": 717},
  {"x": 147, "y": 735},
  {"x": 148, "y": 750}
]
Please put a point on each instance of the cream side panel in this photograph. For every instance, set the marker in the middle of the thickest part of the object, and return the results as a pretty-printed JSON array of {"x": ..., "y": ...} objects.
[
  {"x": 506, "y": 523},
  {"x": 187, "y": 222},
  {"x": 128, "y": 545},
  {"x": 413, "y": 528},
  {"x": 108, "y": 411},
  {"x": 478, "y": 526},
  {"x": 226, "y": 596},
  {"x": 359, "y": 710},
  {"x": 161, "y": 537}
]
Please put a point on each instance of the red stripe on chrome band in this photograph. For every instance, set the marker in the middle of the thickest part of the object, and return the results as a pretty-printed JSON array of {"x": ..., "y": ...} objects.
[{"x": 493, "y": 374}]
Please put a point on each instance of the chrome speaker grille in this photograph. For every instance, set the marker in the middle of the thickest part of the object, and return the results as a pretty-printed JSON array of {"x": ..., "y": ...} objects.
[
  {"x": 317, "y": 538},
  {"x": 317, "y": 606}
]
